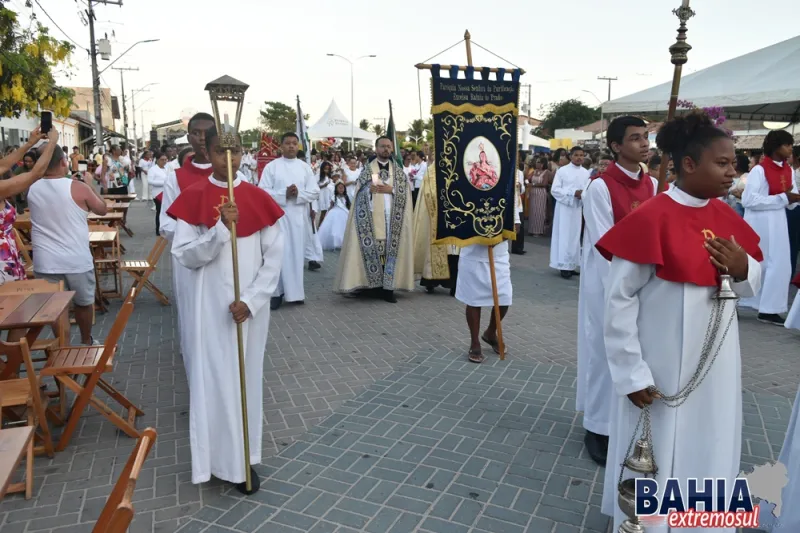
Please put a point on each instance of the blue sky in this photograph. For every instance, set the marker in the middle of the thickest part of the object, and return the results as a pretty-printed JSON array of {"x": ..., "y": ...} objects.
[{"x": 280, "y": 48}]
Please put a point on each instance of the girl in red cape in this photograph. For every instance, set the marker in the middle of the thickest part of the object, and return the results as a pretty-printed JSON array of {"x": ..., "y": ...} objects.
[{"x": 666, "y": 259}]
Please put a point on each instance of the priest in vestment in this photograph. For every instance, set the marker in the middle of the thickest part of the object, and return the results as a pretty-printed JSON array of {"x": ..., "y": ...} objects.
[
  {"x": 291, "y": 182},
  {"x": 436, "y": 264},
  {"x": 615, "y": 193},
  {"x": 569, "y": 183},
  {"x": 378, "y": 249},
  {"x": 769, "y": 191},
  {"x": 196, "y": 169},
  {"x": 666, "y": 259},
  {"x": 202, "y": 245}
]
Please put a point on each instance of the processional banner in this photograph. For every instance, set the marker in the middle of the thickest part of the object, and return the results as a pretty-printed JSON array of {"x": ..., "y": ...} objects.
[
  {"x": 475, "y": 153},
  {"x": 266, "y": 153}
]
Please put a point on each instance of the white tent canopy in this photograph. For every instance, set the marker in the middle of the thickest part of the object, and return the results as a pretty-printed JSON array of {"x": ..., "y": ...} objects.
[
  {"x": 761, "y": 85},
  {"x": 334, "y": 124}
]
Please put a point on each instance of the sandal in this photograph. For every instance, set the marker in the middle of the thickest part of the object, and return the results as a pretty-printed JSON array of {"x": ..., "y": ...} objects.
[
  {"x": 475, "y": 356},
  {"x": 494, "y": 344}
]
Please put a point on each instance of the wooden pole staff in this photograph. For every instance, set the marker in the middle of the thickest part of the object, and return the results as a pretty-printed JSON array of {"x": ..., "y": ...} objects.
[
  {"x": 497, "y": 317},
  {"x": 679, "y": 52},
  {"x": 239, "y": 334}
]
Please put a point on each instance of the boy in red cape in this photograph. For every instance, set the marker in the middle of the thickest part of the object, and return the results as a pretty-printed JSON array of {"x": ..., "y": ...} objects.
[
  {"x": 202, "y": 244},
  {"x": 666, "y": 259},
  {"x": 622, "y": 187},
  {"x": 769, "y": 192}
]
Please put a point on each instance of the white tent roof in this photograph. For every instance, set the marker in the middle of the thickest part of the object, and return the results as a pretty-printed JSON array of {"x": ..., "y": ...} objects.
[
  {"x": 334, "y": 124},
  {"x": 761, "y": 85}
]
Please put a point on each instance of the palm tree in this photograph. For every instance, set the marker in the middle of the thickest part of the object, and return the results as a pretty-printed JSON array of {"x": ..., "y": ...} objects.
[
  {"x": 364, "y": 124},
  {"x": 378, "y": 129}
]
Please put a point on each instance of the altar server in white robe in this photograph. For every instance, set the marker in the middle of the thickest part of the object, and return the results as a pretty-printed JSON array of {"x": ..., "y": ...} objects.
[
  {"x": 610, "y": 197},
  {"x": 291, "y": 182},
  {"x": 667, "y": 258},
  {"x": 568, "y": 185},
  {"x": 474, "y": 289},
  {"x": 789, "y": 519},
  {"x": 769, "y": 191},
  {"x": 202, "y": 244},
  {"x": 196, "y": 168}
]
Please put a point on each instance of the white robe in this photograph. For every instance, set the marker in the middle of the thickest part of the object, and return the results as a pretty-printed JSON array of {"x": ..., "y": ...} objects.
[
  {"x": 766, "y": 214},
  {"x": 313, "y": 251},
  {"x": 789, "y": 520},
  {"x": 565, "y": 246},
  {"x": 474, "y": 282},
  {"x": 793, "y": 318},
  {"x": 180, "y": 275},
  {"x": 594, "y": 388},
  {"x": 215, "y": 419},
  {"x": 296, "y": 223},
  {"x": 654, "y": 331}
]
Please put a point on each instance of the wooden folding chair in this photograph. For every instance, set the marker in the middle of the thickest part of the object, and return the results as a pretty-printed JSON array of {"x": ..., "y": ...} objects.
[
  {"x": 91, "y": 362},
  {"x": 118, "y": 511},
  {"x": 141, "y": 270},
  {"x": 40, "y": 286},
  {"x": 25, "y": 393},
  {"x": 24, "y": 253}
]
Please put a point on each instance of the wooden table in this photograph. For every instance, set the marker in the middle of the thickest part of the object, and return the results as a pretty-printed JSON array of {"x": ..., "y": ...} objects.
[
  {"x": 112, "y": 218},
  {"x": 118, "y": 206},
  {"x": 33, "y": 312},
  {"x": 13, "y": 445},
  {"x": 123, "y": 197},
  {"x": 103, "y": 237}
]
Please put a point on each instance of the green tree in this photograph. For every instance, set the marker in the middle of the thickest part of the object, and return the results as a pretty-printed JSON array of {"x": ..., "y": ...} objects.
[
  {"x": 364, "y": 124},
  {"x": 28, "y": 57},
  {"x": 278, "y": 118},
  {"x": 565, "y": 114},
  {"x": 378, "y": 129},
  {"x": 251, "y": 136}
]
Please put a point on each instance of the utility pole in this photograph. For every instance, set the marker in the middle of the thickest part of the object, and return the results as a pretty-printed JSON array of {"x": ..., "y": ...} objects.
[
  {"x": 124, "y": 109},
  {"x": 609, "y": 80},
  {"x": 98, "y": 114}
]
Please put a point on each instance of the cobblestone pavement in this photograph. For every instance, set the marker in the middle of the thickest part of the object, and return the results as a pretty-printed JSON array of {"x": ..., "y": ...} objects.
[{"x": 375, "y": 422}]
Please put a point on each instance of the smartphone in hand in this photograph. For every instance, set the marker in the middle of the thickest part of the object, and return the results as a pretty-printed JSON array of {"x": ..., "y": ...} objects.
[{"x": 47, "y": 121}]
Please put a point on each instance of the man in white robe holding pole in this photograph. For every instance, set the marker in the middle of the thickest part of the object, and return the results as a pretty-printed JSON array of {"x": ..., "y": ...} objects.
[
  {"x": 615, "y": 193},
  {"x": 292, "y": 184},
  {"x": 568, "y": 185},
  {"x": 202, "y": 244}
]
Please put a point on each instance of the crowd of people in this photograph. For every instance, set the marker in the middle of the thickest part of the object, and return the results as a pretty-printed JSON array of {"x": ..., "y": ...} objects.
[{"x": 649, "y": 263}]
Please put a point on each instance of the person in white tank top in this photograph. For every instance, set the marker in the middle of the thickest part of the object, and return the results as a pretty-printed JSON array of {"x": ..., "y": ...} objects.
[{"x": 60, "y": 235}]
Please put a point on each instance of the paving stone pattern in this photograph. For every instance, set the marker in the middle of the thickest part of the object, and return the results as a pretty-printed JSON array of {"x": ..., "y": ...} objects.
[{"x": 374, "y": 420}]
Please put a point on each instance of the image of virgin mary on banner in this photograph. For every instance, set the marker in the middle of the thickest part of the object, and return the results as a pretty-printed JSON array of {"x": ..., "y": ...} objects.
[{"x": 475, "y": 144}]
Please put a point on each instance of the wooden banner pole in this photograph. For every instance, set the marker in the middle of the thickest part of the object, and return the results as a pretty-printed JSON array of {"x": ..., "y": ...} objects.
[{"x": 497, "y": 317}]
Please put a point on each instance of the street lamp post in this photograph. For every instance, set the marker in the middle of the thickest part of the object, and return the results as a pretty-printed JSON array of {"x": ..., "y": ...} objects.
[
  {"x": 133, "y": 107},
  {"x": 602, "y": 117},
  {"x": 352, "y": 97}
]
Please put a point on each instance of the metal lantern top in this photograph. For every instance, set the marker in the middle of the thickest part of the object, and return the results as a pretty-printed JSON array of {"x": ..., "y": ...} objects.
[{"x": 227, "y": 89}]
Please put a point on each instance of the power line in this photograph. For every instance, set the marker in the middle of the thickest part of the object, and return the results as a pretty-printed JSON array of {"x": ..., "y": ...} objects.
[{"x": 59, "y": 27}]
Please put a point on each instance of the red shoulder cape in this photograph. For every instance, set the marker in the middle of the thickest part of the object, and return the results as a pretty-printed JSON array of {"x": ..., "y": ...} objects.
[
  {"x": 796, "y": 280},
  {"x": 188, "y": 174},
  {"x": 779, "y": 178},
  {"x": 671, "y": 236},
  {"x": 626, "y": 193},
  {"x": 199, "y": 205}
]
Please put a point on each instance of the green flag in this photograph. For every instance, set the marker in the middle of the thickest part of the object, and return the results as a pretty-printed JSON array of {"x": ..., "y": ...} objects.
[{"x": 391, "y": 132}]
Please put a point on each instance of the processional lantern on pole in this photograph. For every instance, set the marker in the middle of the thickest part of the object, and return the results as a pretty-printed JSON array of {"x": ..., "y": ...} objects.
[{"x": 230, "y": 93}]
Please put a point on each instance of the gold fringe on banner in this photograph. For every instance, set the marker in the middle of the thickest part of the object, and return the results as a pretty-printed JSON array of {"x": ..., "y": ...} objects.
[{"x": 448, "y": 107}]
